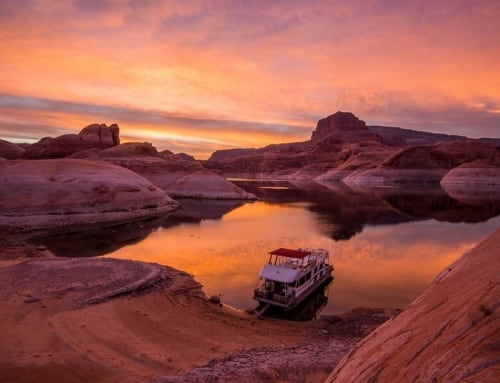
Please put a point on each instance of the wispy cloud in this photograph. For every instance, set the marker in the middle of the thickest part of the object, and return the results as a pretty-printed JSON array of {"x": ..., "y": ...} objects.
[
  {"x": 251, "y": 71},
  {"x": 166, "y": 130}
]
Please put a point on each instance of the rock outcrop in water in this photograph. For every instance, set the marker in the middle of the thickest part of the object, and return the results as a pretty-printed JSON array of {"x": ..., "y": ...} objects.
[
  {"x": 431, "y": 163},
  {"x": 66, "y": 192},
  {"x": 180, "y": 175},
  {"x": 177, "y": 175},
  {"x": 449, "y": 334},
  {"x": 344, "y": 148}
]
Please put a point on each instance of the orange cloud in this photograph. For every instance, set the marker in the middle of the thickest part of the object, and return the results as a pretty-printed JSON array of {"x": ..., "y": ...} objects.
[{"x": 257, "y": 61}]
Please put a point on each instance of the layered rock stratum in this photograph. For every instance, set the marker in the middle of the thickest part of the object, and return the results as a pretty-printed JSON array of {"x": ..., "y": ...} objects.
[
  {"x": 179, "y": 175},
  {"x": 344, "y": 148},
  {"x": 98, "y": 136},
  {"x": 10, "y": 151},
  {"x": 433, "y": 163},
  {"x": 448, "y": 334},
  {"x": 64, "y": 192}
]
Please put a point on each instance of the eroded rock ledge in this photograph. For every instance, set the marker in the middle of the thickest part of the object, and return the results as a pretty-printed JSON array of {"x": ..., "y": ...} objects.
[
  {"x": 449, "y": 334},
  {"x": 65, "y": 192},
  {"x": 77, "y": 282}
]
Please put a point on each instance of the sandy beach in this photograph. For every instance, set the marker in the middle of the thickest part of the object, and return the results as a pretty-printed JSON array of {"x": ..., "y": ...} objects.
[{"x": 106, "y": 320}]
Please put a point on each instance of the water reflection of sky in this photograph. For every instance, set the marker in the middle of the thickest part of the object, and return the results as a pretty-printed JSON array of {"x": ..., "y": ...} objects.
[{"x": 385, "y": 265}]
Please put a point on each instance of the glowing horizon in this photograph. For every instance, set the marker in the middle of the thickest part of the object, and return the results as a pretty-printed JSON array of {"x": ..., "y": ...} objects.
[{"x": 207, "y": 75}]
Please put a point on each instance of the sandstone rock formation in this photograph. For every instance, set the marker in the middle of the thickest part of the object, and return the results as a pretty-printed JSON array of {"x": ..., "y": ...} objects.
[
  {"x": 475, "y": 173},
  {"x": 178, "y": 174},
  {"x": 47, "y": 193},
  {"x": 431, "y": 163},
  {"x": 406, "y": 137},
  {"x": 101, "y": 135},
  {"x": 449, "y": 334},
  {"x": 10, "y": 151},
  {"x": 172, "y": 173},
  {"x": 344, "y": 125},
  {"x": 80, "y": 282},
  {"x": 340, "y": 144},
  {"x": 93, "y": 136},
  {"x": 474, "y": 183},
  {"x": 344, "y": 148}
]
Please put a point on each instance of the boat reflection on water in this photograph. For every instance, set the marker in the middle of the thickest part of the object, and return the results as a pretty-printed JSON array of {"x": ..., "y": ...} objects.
[
  {"x": 403, "y": 237},
  {"x": 308, "y": 309}
]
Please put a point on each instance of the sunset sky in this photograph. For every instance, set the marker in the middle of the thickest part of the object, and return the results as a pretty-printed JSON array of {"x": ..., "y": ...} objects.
[{"x": 197, "y": 76}]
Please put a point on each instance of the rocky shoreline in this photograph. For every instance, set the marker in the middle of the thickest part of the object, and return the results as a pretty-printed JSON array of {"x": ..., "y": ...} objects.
[
  {"x": 91, "y": 178},
  {"x": 85, "y": 302},
  {"x": 97, "y": 319},
  {"x": 137, "y": 322}
]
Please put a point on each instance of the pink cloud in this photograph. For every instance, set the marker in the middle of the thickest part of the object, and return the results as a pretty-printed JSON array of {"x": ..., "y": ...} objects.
[{"x": 277, "y": 63}]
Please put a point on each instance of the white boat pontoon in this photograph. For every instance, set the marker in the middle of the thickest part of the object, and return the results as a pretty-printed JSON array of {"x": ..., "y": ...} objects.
[{"x": 290, "y": 276}]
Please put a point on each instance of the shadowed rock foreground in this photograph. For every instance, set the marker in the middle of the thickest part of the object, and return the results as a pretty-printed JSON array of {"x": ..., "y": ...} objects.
[
  {"x": 450, "y": 333},
  {"x": 54, "y": 330},
  {"x": 88, "y": 320}
]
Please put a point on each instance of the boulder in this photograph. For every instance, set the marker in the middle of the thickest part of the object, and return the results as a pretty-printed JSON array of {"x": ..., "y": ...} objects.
[
  {"x": 215, "y": 299},
  {"x": 101, "y": 135},
  {"x": 448, "y": 334},
  {"x": 70, "y": 191},
  {"x": 92, "y": 136}
]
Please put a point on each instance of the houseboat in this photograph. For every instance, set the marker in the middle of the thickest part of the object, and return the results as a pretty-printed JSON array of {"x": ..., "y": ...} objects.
[{"x": 290, "y": 276}]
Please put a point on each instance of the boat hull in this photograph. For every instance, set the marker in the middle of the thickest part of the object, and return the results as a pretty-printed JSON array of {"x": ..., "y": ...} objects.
[{"x": 288, "y": 303}]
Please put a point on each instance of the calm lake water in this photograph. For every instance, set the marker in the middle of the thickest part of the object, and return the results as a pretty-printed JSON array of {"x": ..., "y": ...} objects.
[{"x": 386, "y": 245}]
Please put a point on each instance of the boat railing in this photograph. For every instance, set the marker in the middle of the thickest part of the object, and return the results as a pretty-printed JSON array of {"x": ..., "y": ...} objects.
[
  {"x": 263, "y": 294},
  {"x": 272, "y": 296},
  {"x": 281, "y": 298}
]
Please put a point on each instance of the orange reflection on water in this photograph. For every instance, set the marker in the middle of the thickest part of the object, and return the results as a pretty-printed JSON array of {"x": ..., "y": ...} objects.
[{"x": 384, "y": 266}]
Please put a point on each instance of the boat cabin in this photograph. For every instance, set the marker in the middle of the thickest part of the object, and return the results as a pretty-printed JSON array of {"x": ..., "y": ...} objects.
[{"x": 291, "y": 275}]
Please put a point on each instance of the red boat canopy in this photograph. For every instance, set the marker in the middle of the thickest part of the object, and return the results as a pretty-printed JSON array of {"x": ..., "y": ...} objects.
[{"x": 290, "y": 253}]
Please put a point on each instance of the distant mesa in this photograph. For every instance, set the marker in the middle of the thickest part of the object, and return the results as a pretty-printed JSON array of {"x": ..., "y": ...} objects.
[
  {"x": 342, "y": 124},
  {"x": 344, "y": 148}
]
